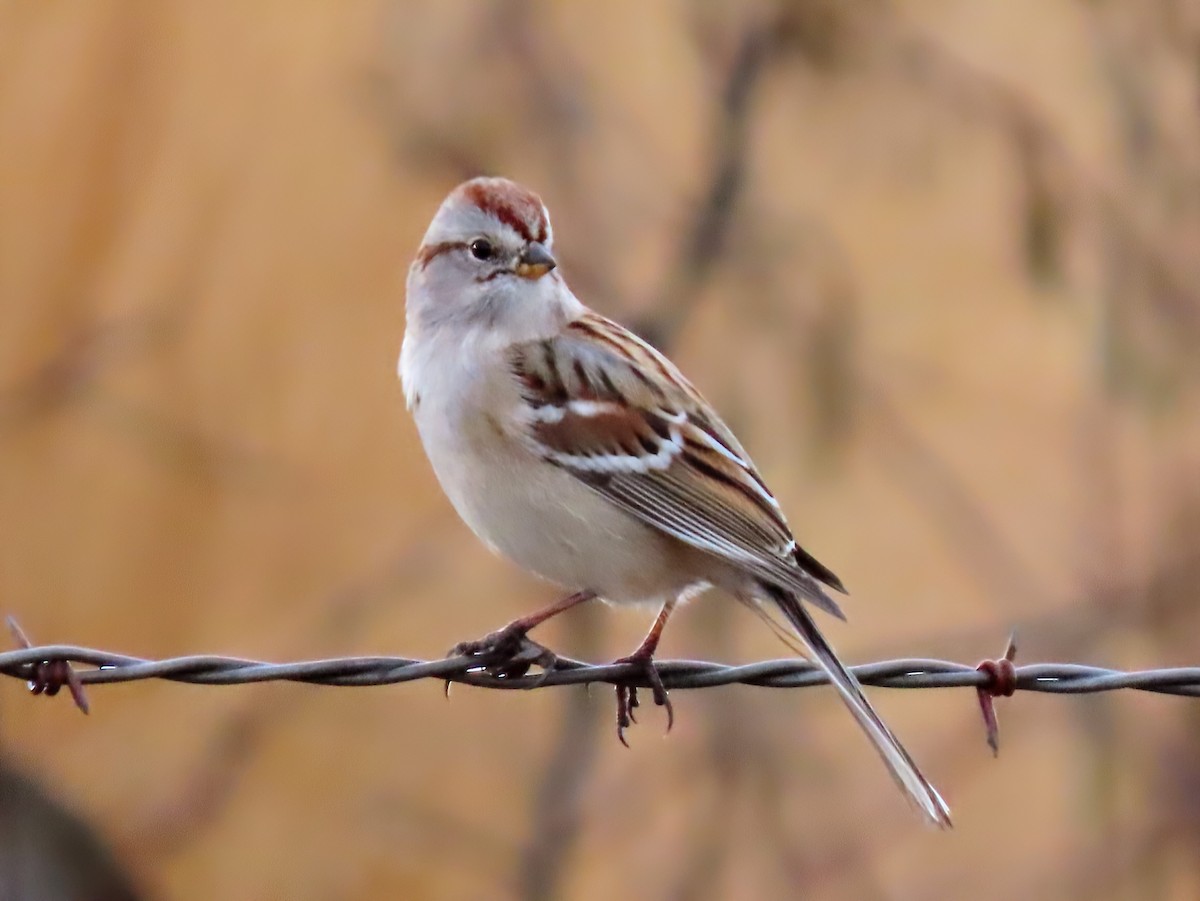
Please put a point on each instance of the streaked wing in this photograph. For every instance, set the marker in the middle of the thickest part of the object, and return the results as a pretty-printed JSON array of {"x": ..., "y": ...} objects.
[{"x": 611, "y": 410}]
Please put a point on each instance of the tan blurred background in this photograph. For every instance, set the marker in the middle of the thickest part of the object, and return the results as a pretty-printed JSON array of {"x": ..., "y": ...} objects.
[{"x": 938, "y": 262}]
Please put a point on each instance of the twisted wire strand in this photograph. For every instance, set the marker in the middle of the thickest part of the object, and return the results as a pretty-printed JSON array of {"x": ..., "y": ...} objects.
[{"x": 103, "y": 667}]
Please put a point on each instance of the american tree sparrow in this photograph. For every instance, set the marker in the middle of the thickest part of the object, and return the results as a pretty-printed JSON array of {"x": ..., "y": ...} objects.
[{"x": 578, "y": 451}]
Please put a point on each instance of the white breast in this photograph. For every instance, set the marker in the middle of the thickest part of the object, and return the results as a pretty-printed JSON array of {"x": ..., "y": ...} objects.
[{"x": 539, "y": 516}]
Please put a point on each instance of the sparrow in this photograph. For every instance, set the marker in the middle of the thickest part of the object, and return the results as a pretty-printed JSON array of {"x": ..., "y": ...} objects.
[{"x": 575, "y": 449}]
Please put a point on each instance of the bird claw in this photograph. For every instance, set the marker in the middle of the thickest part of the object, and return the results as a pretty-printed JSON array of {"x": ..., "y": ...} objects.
[
  {"x": 507, "y": 653},
  {"x": 627, "y": 695}
]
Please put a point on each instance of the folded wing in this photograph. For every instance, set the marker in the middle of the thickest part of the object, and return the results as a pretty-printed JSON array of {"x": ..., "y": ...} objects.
[{"x": 608, "y": 408}]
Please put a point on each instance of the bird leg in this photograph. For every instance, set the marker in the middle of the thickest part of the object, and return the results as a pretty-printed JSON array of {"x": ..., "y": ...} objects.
[
  {"x": 508, "y": 652},
  {"x": 643, "y": 657}
]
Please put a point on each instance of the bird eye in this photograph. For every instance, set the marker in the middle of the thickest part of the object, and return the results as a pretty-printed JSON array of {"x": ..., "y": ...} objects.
[{"x": 482, "y": 249}]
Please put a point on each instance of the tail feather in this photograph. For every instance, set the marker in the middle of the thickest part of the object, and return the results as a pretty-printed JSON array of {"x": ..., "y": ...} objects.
[{"x": 898, "y": 761}]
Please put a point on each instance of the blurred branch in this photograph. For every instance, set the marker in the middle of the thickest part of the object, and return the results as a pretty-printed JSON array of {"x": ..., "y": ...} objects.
[
  {"x": 705, "y": 240},
  {"x": 935, "y": 486},
  {"x": 202, "y": 794},
  {"x": 206, "y": 791},
  {"x": 556, "y": 801},
  {"x": 82, "y": 358},
  {"x": 734, "y": 749},
  {"x": 73, "y": 378},
  {"x": 558, "y": 794},
  {"x": 1046, "y": 158}
]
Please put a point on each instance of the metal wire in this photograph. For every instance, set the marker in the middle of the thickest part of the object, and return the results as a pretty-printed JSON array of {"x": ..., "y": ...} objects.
[{"x": 103, "y": 667}]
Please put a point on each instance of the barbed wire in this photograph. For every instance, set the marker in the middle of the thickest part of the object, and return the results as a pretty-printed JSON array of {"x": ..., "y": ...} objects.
[
  {"x": 48, "y": 668},
  {"x": 104, "y": 667}
]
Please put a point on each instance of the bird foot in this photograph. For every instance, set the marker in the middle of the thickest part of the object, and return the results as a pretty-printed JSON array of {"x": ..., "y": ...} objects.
[
  {"x": 507, "y": 653},
  {"x": 627, "y": 695}
]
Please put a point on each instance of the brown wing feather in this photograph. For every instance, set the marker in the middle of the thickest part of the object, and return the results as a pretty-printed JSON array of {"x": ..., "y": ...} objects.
[{"x": 653, "y": 446}]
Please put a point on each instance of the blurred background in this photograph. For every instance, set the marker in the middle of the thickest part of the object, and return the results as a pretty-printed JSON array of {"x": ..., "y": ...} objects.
[{"x": 937, "y": 262}]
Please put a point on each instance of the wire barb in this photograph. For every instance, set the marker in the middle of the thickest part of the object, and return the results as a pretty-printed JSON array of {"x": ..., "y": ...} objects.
[
  {"x": 1002, "y": 683},
  {"x": 49, "y": 676}
]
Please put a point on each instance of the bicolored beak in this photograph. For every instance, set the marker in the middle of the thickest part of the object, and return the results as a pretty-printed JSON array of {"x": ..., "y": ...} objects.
[{"x": 535, "y": 261}]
